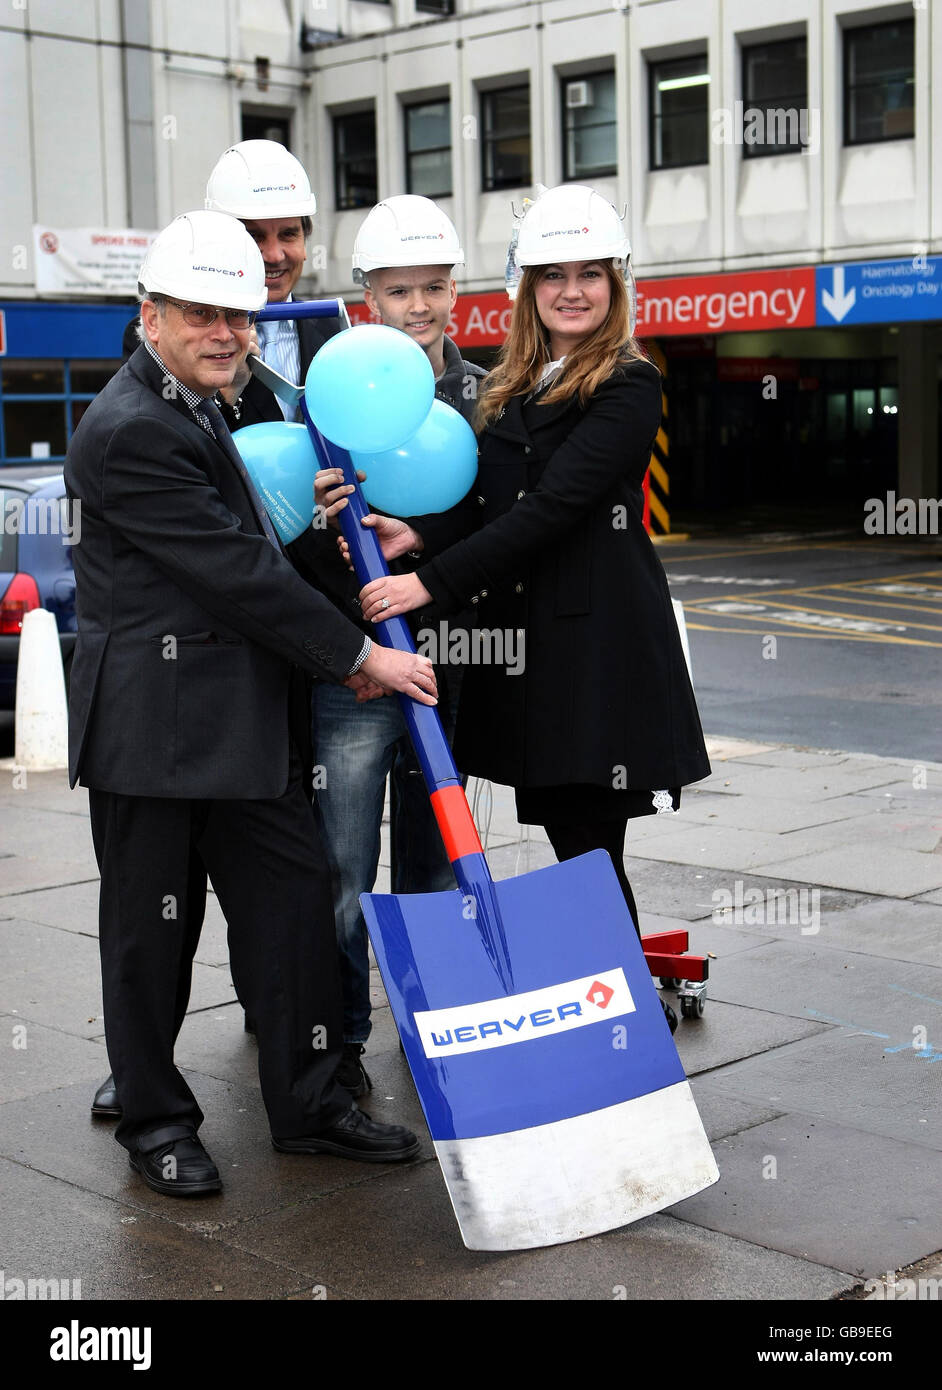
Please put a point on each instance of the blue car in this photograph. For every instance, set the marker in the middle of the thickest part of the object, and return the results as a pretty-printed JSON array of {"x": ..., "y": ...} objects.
[{"x": 35, "y": 563}]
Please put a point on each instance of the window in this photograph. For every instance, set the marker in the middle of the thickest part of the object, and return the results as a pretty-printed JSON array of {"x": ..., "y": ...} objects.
[
  {"x": 775, "y": 98},
  {"x": 267, "y": 127},
  {"x": 428, "y": 149},
  {"x": 678, "y": 118},
  {"x": 879, "y": 85},
  {"x": 435, "y": 6},
  {"x": 589, "y": 127},
  {"x": 355, "y": 160},
  {"x": 42, "y": 401},
  {"x": 505, "y": 148}
]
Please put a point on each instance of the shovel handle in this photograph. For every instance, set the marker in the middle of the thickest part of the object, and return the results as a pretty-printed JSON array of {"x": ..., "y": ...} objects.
[
  {"x": 425, "y": 728},
  {"x": 303, "y": 309}
]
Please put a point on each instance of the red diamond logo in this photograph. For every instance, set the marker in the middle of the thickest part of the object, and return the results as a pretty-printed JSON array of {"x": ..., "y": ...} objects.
[{"x": 599, "y": 994}]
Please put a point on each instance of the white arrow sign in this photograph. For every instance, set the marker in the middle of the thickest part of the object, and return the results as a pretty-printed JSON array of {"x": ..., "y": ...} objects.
[{"x": 835, "y": 300}]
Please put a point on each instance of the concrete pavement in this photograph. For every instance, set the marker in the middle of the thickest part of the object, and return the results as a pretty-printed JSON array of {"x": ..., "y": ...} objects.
[{"x": 817, "y": 1067}]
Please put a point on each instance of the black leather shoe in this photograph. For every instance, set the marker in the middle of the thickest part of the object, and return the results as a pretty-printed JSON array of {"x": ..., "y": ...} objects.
[
  {"x": 355, "y": 1135},
  {"x": 173, "y": 1161},
  {"x": 106, "y": 1105},
  {"x": 351, "y": 1073},
  {"x": 670, "y": 1016}
]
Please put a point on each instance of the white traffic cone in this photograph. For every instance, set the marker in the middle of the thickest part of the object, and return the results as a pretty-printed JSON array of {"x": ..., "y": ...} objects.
[{"x": 42, "y": 721}]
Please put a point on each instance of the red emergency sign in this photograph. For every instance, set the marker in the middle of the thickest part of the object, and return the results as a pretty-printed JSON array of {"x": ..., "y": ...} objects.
[
  {"x": 689, "y": 304},
  {"x": 735, "y": 303}
]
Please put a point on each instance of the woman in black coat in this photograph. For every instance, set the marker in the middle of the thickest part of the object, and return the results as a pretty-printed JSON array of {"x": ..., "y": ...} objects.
[{"x": 600, "y": 724}]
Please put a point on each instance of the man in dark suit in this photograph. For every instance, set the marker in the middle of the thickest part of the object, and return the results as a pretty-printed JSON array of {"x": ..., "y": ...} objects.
[
  {"x": 265, "y": 186},
  {"x": 262, "y": 184},
  {"x": 192, "y": 627}
]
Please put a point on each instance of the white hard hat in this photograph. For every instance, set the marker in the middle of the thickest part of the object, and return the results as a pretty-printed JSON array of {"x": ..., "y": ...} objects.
[
  {"x": 403, "y": 231},
  {"x": 206, "y": 258},
  {"x": 260, "y": 179},
  {"x": 571, "y": 223}
]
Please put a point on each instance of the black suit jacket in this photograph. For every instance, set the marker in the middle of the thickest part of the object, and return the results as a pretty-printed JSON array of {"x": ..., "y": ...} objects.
[
  {"x": 191, "y": 622},
  {"x": 558, "y": 557},
  {"x": 258, "y": 403}
]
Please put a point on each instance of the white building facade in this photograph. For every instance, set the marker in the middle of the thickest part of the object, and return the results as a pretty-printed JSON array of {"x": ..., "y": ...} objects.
[{"x": 775, "y": 158}]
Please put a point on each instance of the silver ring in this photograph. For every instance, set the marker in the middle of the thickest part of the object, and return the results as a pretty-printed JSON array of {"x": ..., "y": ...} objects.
[{"x": 385, "y": 603}]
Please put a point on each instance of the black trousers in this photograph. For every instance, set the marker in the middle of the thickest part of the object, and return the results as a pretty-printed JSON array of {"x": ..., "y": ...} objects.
[
  {"x": 569, "y": 841},
  {"x": 266, "y": 862}
]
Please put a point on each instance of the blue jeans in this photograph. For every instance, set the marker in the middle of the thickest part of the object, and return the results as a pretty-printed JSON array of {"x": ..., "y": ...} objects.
[{"x": 356, "y": 746}]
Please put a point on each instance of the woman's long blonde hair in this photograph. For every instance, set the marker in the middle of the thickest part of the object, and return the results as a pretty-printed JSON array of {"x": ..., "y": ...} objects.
[{"x": 526, "y": 350}]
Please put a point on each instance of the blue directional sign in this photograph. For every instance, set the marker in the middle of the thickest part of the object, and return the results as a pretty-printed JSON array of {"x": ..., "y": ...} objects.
[{"x": 879, "y": 291}]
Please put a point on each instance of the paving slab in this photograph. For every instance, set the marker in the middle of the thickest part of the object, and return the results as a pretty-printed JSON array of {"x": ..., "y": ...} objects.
[
  {"x": 776, "y": 816},
  {"x": 881, "y": 830},
  {"x": 20, "y": 874},
  {"x": 55, "y": 1134},
  {"x": 402, "y": 1242},
  {"x": 884, "y": 927},
  {"x": 723, "y": 1114},
  {"x": 75, "y": 908},
  {"x": 796, "y": 783},
  {"x": 721, "y": 748},
  {"x": 928, "y": 798},
  {"x": 54, "y": 977},
  {"x": 726, "y": 1033},
  {"x": 811, "y": 980},
  {"x": 838, "y": 1197},
  {"x": 891, "y": 872},
  {"x": 44, "y": 791},
  {"x": 28, "y": 832},
  {"x": 54, "y": 1230},
  {"x": 800, "y": 757},
  {"x": 714, "y": 846},
  {"x": 934, "y": 897},
  {"x": 34, "y": 1058},
  {"x": 855, "y": 1078}
]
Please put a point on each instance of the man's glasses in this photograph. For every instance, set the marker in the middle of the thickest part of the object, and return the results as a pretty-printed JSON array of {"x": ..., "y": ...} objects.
[{"x": 202, "y": 316}]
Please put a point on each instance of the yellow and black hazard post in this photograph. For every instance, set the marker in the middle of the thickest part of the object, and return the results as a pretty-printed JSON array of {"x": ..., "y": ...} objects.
[{"x": 657, "y": 479}]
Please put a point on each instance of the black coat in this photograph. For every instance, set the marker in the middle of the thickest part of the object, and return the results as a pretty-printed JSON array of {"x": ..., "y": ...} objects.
[
  {"x": 562, "y": 556},
  {"x": 172, "y": 547}
]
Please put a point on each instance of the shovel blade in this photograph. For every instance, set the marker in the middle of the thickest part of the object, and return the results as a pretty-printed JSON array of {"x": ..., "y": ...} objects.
[{"x": 557, "y": 1110}]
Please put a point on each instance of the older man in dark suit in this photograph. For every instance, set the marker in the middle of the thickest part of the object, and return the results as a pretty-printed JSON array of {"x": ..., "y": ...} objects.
[{"x": 193, "y": 631}]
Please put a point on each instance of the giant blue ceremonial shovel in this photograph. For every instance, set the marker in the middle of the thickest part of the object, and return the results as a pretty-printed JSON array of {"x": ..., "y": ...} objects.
[{"x": 552, "y": 1089}]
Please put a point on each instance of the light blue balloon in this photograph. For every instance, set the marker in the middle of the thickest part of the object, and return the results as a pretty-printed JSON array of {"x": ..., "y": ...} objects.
[
  {"x": 279, "y": 458},
  {"x": 429, "y": 472},
  {"x": 369, "y": 388}
]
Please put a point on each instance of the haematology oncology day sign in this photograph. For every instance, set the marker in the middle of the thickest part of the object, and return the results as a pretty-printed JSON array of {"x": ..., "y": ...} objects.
[{"x": 91, "y": 261}]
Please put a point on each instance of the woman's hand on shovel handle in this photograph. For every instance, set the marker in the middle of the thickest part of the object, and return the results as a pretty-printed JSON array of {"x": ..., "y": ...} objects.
[
  {"x": 395, "y": 537},
  {"x": 391, "y": 596},
  {"x": 403, "y": 671}
]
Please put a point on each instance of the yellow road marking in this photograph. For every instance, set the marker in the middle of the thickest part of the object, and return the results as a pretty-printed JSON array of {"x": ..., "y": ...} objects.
[
  {"x": 808, "y": 636},
  {"x": 803, "y": 608}
]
